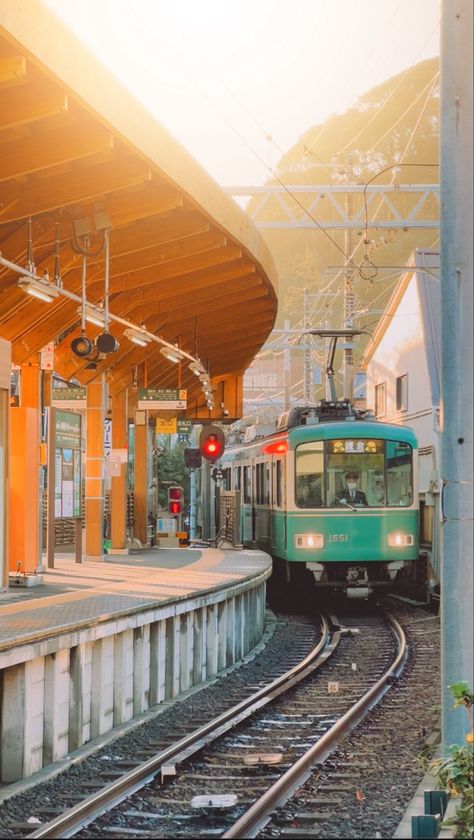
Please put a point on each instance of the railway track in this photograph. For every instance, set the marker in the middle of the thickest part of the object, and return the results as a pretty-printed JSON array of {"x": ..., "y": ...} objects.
[{"x": 230, "y": 775}]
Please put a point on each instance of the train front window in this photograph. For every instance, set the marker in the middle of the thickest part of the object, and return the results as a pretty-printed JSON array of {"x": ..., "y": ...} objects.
[
  {"x": 369, "y": 473},
  {"x": 399, "y": 474},
  {"x": 309, "y": 470}
]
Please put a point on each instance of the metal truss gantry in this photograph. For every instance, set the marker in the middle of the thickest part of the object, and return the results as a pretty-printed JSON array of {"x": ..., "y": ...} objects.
[{"x": 324, "y": 203}]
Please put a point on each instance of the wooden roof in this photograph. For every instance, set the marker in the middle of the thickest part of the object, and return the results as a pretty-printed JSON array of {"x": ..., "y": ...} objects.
[{"x": 76, "y": 148}]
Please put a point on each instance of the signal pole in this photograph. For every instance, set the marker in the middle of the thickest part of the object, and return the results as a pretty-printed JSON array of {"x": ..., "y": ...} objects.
[
  {"x": 307, "y": 378},
  {"x": 348, "y": 321},
  {"x": 457, "y": 363}
]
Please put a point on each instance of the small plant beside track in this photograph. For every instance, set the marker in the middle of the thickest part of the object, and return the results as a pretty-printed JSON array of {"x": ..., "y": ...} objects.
[{"x": 455, "y": 770}]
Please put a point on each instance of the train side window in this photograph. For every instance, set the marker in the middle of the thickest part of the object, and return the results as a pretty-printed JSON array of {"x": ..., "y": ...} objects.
[
  {"x": 247, "y": 485},
  {"x": 238, "y": 478},
  {"x": 267, "y": 483},
  {"x": 309, "y": 469},
  {"x": 279, "y": 483}
]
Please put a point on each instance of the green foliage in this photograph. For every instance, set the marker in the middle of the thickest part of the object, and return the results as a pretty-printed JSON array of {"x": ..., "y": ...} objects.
[
  {"x": 397, "y": 121},
  {"x": 171, "y": 468},
  {"x": 455, "y": 770}
]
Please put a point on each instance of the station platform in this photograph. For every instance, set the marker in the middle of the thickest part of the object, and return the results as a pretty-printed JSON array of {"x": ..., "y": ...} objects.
[
  {"x": 97, "y": 644},
  {"x": 76, "y": 595}
]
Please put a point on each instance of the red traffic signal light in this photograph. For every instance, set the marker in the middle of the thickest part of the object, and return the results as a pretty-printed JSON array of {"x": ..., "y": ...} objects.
[
  {"x": 175, "y": 500},
  {"x": 212, "y": 443}
]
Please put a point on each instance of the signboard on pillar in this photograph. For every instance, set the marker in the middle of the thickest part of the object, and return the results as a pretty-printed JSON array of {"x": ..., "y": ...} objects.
[
  {"x": 67, "y": 465},
  {"x": 72, "y": 398},
  {"x": 162, "y": 398},
  {"x": 47, "y": 357}
]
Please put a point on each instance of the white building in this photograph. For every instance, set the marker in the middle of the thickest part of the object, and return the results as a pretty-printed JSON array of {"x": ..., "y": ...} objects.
[{"x": 402, "y": 363}]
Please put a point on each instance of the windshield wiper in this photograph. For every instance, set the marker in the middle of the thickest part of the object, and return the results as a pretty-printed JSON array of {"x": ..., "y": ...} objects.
[{"x": 345, "y": 502}]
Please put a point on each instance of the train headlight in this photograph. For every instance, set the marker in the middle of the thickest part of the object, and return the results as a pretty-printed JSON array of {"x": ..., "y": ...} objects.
[
  {"x": 309, "y": 540},
  {"x": 400, "y": 540}
]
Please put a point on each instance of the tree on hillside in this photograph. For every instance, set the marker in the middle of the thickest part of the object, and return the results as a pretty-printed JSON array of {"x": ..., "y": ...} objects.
[{"x": 390, "y": 128}]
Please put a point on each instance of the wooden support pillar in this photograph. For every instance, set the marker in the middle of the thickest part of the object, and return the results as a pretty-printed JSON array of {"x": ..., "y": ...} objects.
[
  {"x": 118, "y": 496},
  {"x": 140, "y": 474},
  {"x": 95, "y": 470},
  {"x": 25, "y": 545}
]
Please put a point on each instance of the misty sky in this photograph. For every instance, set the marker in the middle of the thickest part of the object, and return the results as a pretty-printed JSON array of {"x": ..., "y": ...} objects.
[{"x": 238, "y": 81}]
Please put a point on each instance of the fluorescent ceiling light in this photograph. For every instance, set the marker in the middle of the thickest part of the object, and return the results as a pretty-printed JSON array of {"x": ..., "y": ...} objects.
[
  {"x": 173, "y": 354},
  {"x": 36, "y": 288},
  {"x": 197, "y": 368},
  {"x": 94, "y": 315},
  {"x": 137, "y": 337}
]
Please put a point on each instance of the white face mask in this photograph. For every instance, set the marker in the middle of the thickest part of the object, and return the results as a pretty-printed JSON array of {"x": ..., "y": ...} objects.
[{"x": 351, "y": 485}]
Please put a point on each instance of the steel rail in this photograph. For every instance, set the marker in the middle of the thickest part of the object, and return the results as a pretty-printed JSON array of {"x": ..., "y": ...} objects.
[
  {"x": 254, "y": 819},
  {"x": 71, "y": 821}
]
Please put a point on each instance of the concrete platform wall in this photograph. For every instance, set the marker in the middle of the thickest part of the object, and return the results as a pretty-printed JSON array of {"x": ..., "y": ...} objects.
[{"x": 59, "y": 693}]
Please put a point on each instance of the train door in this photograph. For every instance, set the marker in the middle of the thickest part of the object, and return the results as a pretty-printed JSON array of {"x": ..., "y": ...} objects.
[
  {"x": 247, "y": 507},
  {"x": 253, "y": 480}
]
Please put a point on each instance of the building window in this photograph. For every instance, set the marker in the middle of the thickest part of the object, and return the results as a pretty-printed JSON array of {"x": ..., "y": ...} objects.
[
  {"x": 402, "y": 392},
  {"x": 380, "y": 400}
]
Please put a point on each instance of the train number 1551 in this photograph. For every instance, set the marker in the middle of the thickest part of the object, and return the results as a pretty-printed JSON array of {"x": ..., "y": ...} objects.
[{"x": 338, "y": 538}]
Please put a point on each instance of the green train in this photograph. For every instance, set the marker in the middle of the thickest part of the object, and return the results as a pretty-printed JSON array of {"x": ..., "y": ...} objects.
[{"x": 332, "y": 492}]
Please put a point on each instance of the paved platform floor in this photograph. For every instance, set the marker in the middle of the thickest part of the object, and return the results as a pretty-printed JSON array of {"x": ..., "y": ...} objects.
[{"x": 79, "y": 594}]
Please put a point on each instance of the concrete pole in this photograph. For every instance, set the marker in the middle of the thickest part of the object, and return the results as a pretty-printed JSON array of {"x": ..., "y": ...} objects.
[
  {"x": 348, "y": 323},
  {"x": 456, "y": 359},
  {"x": 286, "y": 368},
  {"x": 307, "y": 379}
]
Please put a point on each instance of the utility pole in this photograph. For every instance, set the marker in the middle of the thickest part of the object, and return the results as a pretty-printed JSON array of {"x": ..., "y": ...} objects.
[
  {"x": 307, "y": 378},
  {"x": 348, "y": 321},
  {"x": 457, "y": 362},
  {"x": 286, "y": 368}
]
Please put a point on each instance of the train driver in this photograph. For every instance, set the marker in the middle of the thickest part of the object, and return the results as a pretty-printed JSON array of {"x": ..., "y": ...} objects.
[{"x": 350, "y": 493}]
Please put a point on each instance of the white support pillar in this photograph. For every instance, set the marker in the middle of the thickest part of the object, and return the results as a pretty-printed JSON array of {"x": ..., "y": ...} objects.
[
  {"x": 158, "y": 693},
  {"x": 198, "y": 627},
  {"x": 186, "y": 643},
  {"x": 238, "y": 623},
  {"x": 80, "y": 696},
  {"x": 34, "y": 713},
  {"x": 175, "y": 673},
  {"x": 141, "y": 669},
  {"x": 102, "y": 717},
  {"x": 222, "y": 635},
  {"x": 212, "y": 640},
  {"x": 123, "y": 677},
  {"x": 230, "y": 632},
  {"x": 12, "y": 723},
  {"x": 56, "y": 706}
]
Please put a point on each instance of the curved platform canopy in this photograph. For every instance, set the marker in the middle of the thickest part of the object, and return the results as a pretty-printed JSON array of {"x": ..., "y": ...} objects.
[{"x": 82, "y": 161}]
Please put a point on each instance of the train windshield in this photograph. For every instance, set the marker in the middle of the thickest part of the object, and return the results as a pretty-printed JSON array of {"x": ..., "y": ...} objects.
[{"x": 354, "y": 473}]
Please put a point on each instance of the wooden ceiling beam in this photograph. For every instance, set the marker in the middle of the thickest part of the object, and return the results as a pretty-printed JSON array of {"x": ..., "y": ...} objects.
[
  {"x": 40, "y": 152},
  {"x": 12, "y": 68},
  {"x": 47, "y": 195},
  {"x": 169, "y": 271},
  {"x": 27, "y": 104},
  {"x": 154, "y": 231},
  {"x": 237, "y": 270},
  {"x": 149, "y": 257}
]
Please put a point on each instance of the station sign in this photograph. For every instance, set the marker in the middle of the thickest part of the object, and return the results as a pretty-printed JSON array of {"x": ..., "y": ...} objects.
[
  {"x": 172, "y": 426},
  {"x": 162, "y": 398},
  {"x": 73, "y": 398}
]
